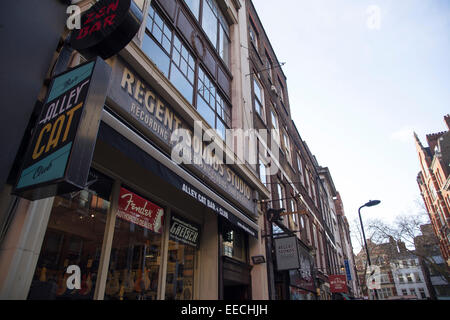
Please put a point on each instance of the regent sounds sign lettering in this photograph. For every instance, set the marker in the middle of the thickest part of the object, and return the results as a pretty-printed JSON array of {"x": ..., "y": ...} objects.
[
  {"x": 60, "y": 153},
  {"x": 106, "y": 28},
  {"x": 139, "y": 103}
]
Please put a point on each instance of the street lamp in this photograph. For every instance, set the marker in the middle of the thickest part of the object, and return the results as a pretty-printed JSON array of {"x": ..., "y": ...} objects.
[{"x": 371, "y": 203}]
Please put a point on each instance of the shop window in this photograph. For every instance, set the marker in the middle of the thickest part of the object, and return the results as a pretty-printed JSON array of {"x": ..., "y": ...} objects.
[
  {"x": 180, "y": 271},
  {"x": 74, "y": 238},
  {"x": 184, "y": 239},
  {"x": 135, "y": 256},
  {"x": 233, "y": 244}
]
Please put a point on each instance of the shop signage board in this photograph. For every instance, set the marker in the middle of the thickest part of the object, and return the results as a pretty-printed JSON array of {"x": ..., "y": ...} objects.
[
  {"x": 106, "y": 28},
  {"x": 184, "y": 231},
  {"x": 286, "y": 252},
  {"x": 144, "y": 159},
  {"x": 135, "y": 100},
  {"x": 140, "y": 211},
  {"x": 338, "y": 283},
  {"x": 60, "y": 152}
]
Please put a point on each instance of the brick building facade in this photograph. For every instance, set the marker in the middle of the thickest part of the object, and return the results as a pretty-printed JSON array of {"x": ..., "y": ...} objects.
[{"x": 434, "y": 183}]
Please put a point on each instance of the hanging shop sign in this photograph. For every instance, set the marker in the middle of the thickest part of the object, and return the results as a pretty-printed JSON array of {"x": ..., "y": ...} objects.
[
  {"x": 303, "y": 277},
  {"x": 338, "y": 283},
  {"x": 59, "y": 156},
  {"x": 184, "y": 231},
  {"x": 140, "y": 211},
  {"x": 106, "y": 28},
  {"x": 138, "y": 102},
  {"x": 286, "y": 252}
]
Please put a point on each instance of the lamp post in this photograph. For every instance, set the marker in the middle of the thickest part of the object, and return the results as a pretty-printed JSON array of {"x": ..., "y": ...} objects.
[{"x": 371, "y": 203}]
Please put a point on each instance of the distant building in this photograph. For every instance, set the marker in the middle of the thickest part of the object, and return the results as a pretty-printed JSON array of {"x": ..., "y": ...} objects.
[
  {"x": 433, "y": 265},
  {"x": 434, "y": 184},
  {"x": 408, "y": 275}
]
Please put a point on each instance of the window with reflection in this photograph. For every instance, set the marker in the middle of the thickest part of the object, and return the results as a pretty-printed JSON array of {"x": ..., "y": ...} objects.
[
  {"x": 211, "y": 105},
  {"x": 258, "y": 97},
  {"x": 169, "y": 54},
  {"x": 74, "y": 239},
  {"x": 180, "y": 271},
  {"x": 234, "y": 243},
  {"x": 174, "y": 59},
  {"x": 135, "y": 261}
]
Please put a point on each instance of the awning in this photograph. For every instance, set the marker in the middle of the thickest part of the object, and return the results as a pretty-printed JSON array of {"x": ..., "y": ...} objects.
[{"x": 120, "y": 136}]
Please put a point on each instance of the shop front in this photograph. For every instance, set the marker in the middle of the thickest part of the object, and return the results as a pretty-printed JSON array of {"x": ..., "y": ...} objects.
[
  {"x": 301, "y": 281},
  {"x": 294, "y": 276},
  {"x": 145, "y": 227}
]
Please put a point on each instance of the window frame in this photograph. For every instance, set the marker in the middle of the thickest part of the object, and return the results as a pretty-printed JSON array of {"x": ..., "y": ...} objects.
[{"x": 256, "y": 99}]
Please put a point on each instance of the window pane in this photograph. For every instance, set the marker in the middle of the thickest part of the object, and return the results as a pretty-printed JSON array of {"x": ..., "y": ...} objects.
[
  {"x": 224, "y": 46},
  {"x": 134, "y": 264},
  {"x": 194, "y": 5},
  {"x": 74, "y": 237},
  {"x": 262, "y": 172},
  {"x": 182, "y": 84},
  {"x": 139, "y": 4},
  {"x": 221, "y": 129},
  {"x": 274, "y": 120},
  {"x": 209, "y": 23},
  {"x": 156, "y": 54},
  {"x": 205, "y": 111},
  {"x": 257, "y": 89},
  {"x": 180, "y": 271},
  {"x": 234, "y": 244}
]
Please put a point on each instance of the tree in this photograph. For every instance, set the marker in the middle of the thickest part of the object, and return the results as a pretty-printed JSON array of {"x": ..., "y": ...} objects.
[
  {"x": 361, "y": 257},
  {"x": 407, "y": 229}
]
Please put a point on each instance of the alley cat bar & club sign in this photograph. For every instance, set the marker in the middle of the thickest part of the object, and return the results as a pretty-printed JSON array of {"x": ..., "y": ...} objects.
[
  {"x": 59, "y": 156},
  {"x": 60, "y": 152}
]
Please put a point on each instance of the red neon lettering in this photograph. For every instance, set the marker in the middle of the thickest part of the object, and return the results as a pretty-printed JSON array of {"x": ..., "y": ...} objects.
[
  {"x": 109, "y": 20},
  {"x": 83, "y": 33},
  {"x": 97, "y": 26},
  {"x": 100, "y": 13},
  {"x": 113, "y": 6},
  {"x": 90, "y": 17}
]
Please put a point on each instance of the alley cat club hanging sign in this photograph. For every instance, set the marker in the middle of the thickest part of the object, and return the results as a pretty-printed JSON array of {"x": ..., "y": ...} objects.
[{"x": 60, "y": 152}]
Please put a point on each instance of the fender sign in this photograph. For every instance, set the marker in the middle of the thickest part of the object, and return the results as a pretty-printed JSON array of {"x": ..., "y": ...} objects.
[{"x": 106, "y": 28}]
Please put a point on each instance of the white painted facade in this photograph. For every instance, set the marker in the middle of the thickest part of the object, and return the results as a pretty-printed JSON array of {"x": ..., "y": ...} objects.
[{"x": 408, "y": 277}]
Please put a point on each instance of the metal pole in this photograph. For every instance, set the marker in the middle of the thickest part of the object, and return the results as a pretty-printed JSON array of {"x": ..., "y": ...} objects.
[
  {"x": 364, "y": 236},
  {"x": 365, "y": 243}
]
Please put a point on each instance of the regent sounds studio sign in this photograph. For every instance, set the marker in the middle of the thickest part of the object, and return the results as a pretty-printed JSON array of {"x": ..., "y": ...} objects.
[
  {"x": 106, "y": 28},
  {"x": 59, "y": 156}
]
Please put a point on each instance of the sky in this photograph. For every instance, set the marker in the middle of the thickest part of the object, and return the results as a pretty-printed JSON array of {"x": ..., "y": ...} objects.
[{"x": 362, "y": 76}]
